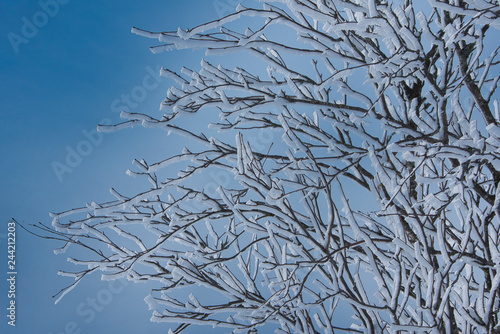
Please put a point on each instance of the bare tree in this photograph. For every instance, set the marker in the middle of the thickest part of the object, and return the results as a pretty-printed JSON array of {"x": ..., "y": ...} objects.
[{"x": 380, "y": 205}]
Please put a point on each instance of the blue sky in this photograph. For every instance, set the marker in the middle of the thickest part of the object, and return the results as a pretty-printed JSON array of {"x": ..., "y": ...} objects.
[{"x": 64, "y": 69}]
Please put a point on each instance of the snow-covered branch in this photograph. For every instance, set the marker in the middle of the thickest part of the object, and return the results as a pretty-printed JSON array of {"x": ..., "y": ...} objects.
[{"x": 355, "y": 153}]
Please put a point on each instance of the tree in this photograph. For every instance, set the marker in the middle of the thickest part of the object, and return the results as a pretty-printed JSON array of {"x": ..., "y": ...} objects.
[{"x": 379, "y": 205}]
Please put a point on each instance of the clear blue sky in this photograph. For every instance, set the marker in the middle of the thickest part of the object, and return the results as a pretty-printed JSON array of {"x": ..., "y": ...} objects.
[{"x": 63, "y": 70}]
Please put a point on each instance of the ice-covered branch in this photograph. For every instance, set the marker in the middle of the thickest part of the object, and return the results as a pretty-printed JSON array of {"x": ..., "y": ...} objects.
[{"x": 349, "y": 165}]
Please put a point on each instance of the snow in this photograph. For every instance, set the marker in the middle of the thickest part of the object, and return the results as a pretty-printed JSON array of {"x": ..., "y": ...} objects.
[{"x": 351, "y": 114}]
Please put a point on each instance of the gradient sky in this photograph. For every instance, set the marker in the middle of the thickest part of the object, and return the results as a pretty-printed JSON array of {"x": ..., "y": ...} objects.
[{"x": 58, "y": 81}]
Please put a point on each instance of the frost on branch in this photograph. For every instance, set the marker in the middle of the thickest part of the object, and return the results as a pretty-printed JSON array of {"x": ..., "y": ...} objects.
[{"x": 378, "y": 198}]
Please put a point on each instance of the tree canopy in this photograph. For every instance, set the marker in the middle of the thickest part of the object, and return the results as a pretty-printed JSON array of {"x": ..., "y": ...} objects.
[{"x": 353, "y": 173}]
